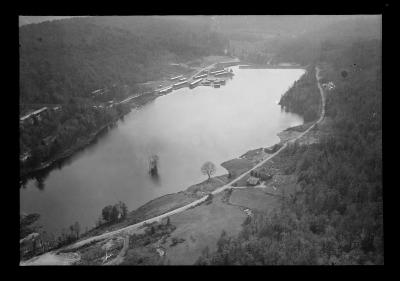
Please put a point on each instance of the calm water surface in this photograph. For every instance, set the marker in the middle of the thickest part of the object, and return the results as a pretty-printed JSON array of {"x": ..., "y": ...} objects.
[{"x": 184, "y": 128}]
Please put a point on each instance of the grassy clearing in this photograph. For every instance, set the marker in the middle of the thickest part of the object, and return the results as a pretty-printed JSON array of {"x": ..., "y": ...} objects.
[
  {"x": 95, "y": 253},
  {"x": 143, "y": 247},
  {"x": 201, "y": 189},
  {"x": 288, "y": 135},
  {"x": 161, "y": 205},
  {"x": 202, "y": 227},
  {"x": 252, "y": 153},
  {"x": 151, "y": 209},
  {"x": 253, "y": 198},
  {"x": 237, "y": 166},
  {"x": 300, "y": 128},
  {"x": 255, "y": 155}
]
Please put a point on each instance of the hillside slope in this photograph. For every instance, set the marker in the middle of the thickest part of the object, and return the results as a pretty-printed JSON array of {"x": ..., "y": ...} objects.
[{"x": 72, "y": 57}]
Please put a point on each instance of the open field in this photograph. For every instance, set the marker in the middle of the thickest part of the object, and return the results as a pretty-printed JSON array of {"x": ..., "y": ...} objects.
[
  {"x": 237, "y": 166},
  {"x": 201, "y": 227},
  {"x": 254, "y": 199},
  {"x": 207, "y": 186}
]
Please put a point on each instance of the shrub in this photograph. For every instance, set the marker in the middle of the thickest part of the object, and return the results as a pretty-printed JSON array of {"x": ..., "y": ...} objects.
[
  {"x": 209, "y": 199},
  {"x": 175, "y": 241}
]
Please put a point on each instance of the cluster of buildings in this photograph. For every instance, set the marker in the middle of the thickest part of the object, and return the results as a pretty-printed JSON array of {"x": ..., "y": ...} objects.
[
  {"x": 199, "y": 79},
  {"x": 329, "y": 86},
  {"x": 37, "y": 114}
]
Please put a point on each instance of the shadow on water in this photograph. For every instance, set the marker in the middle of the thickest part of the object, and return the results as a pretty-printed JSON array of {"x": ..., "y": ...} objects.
[
  {"x": 40, "y": 176},
  {"x": 155, "y": 178},
  {"x": 39, "y": 183}
]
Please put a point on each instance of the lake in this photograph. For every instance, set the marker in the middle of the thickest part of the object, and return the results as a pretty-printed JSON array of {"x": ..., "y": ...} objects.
[{"x": 184, "y": 128}]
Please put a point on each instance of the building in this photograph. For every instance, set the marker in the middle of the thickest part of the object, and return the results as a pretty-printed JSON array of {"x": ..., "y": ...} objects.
[
  {"x": 217, "y": 71},
  {"x": 23, "y": 157},
  {"x": 221, "y": 73},
  {"x": 180, "y": 84},
  {"x": 165, "y": 90},
  {"x": 36, "y": 114},
  {"x": 176, "y": 77},
  {"x": 248, "y": 212},
  {"x": 200, "y": 76},
  {"x": 253, "y": 181},
  {"x": 195, "y": 83},
  {"x": 48, "y": 140}
]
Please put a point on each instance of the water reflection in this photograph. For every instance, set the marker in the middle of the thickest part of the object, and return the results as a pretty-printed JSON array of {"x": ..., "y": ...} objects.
[
  {"x": 155, "y": 178},
  {"x": 40, "y": 176},
  {"x": 39, "y": 182}
]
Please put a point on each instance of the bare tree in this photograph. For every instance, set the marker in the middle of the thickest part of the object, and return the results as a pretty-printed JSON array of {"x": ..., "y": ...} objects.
[{"x": 208, "y": 169}]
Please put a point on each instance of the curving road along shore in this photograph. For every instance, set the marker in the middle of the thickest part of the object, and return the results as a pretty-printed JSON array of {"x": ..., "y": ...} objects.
[{"x": 137, "y": 226}]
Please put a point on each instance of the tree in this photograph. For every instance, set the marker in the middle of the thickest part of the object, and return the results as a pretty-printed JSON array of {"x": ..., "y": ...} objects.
[
  {"x": 26, "y": 224},
  {"x": 72, "y": 230},
  {"x": 152, "y": 230},
  {"x": 114, "y": 213},
  {"x": 107, "y": 213},
  {"x": 123, "y": 209},
  {"x": 77, "y": 229},
  {"x": 208, "y": 169}
]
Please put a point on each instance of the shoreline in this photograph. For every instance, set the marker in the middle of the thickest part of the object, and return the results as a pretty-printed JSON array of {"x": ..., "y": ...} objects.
[
  {"x": 50, "y": 164},
  {"x": 141, "y": 214},
  {"x": 196, "y": 191},
  {"x": 145, "y": 98},
  {"x": 245, "y": 65},
  {"x": 295, "y": 132}
]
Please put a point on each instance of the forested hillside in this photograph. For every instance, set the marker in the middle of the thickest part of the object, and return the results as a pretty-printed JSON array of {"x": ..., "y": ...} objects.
[
  {"x": 72, "y": 57},
  {"x": 303, "y": 97},
  {"x": 322, "y": 41},
  {"x": 336, "y": 217},
  {"x": 299, "y": 39},
  {"x": 62, "y": 62}
]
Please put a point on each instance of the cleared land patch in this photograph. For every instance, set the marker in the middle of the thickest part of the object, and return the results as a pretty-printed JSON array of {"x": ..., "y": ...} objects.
[
  {"x": 254, "y": 199},
  {"x": 237, "y": 166},
  {"x": 201, "y": 227}
]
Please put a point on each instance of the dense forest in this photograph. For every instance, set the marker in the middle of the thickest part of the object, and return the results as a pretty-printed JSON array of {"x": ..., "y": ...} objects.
[
  {"x": 72, "y": 57},
  {"x": 294, "y": 39},
  {"x": 62, "y": 62},
  {"x": 316, "y": 43},
  {"x": 337, "y": 215},
  {"x": 303, "y": 97},
  {"x": 59, "y": 131}
]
